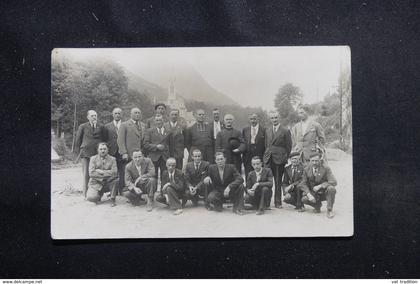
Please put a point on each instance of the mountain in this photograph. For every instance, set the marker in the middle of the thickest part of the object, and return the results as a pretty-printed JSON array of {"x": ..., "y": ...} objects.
[{"x": 136, "y": 82}]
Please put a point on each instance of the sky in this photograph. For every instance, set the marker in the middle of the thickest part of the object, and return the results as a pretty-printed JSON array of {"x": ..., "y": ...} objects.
[{"x": 249, "y": 75}]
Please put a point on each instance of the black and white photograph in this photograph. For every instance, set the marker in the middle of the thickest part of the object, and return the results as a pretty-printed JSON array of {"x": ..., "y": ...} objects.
[{"x": 201, "y": 142}]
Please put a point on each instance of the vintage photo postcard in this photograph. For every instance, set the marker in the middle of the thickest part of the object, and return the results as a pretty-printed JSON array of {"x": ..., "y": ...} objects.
[{"x": 207, "y": 142}]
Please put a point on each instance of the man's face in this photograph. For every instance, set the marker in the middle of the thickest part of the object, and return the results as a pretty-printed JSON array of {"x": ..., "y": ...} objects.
[
  {"x": 160, "y": 109},
  {"x": 274, "y": 117},
  {"x": 196, "y": 157},
  {"x": 295, "y": 160},
  {"x": 216, "y": 115},
  {"x": 200, "y": 116},
  {"x": 103, "y": 150},
  {"x": 171, "y": 165},
  {"x": 315, "y": 161},
  {"x": 92, "y": 116},
  {"x": 228, "y": 121},
  {"x": 137, "y": 157},
  {"x": 302, "y": 114},
  {"x": 116, "y": 114},
  {"x": 220, "y": 160},
  {"x": 174, "y": 115},
  {"x": 159, "y": 121},
  {"x": 256, "y": 164},
  {"x": 253, "y": 120},
  {"x": 135, "y": 114}
]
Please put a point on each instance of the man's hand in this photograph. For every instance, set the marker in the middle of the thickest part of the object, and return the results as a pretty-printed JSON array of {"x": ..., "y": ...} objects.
[
  {"x": 207, "y": 180},
  {"x": 99, "y": 171},
  {"x": 226, "y": 192},
  {"x": 138, "y": 179},
  {"x": 317, "y": 187},
  {"x": 160, "y": 147},
  {"x": 311, "y": 197},
  {"x": 255, "y": 186},
  {"x": 235, "y": 150},
  {"x": 125, "y": 157},
  {"x": 165, "y": 186},
  {"x": 137, "y": 190},
  {"x": 287, "y": 188},
  {"x": 193, "y": 190},
  {"x": 251, "y": 191}
]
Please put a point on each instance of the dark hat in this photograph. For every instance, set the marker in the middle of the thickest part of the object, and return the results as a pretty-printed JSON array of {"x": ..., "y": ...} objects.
[
  {"x": 234, "y": 143},
  {"x": 161, "y": 199},
  {"x": 315, "y": 154},
  {"x": 160, "y": 104},
  {"x": 294, "y": 154}
]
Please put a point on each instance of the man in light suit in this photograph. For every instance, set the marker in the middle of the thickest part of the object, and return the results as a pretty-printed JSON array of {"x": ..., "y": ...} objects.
[
  {"x": 278, "y": 144},
  {"x": 254, "y": 136},
  {"x": 177, "y": 138},
  {"x": 88, "y": 136},
  {"x": 318, "y": 184},
  {"x": 103, "y": 175},
  {"x": 195, "y": 172},
  {"x": 173, "y": 184},
  {"x": 308, "y": 136},
  {"x": 112, "y": 137},
  {"x": 156, "y": 143},
  {"x": 140, "y": 178},
  {"x": 131, "y": 135},
  {"x": 292, "y": 177}
]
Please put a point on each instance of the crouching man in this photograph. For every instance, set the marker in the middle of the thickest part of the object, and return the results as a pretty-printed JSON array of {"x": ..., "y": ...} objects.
[
  {"x": 318, "y": 184},
  {"x": 259, "y": 185},
  {"x": 224, "y": 182},
  {"x": 103, "y": 175},
  {"x": 140, "y": 178},
  {"x": 195, "y": 173},
  {"x": 173, "y": 185},
  {"x": 292, "y": 177}
]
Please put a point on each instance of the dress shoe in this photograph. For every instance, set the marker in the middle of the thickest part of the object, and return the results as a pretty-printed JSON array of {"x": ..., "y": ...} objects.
[
  {"x": 278, "y": 206},
  {"x": 260, "y": 212},
  {"x": 317, "y": 210},
  {"x": 113, "y": 204},
  {"x": 302, "y": 209},
  {"x": 330, "y": 214},
  {"x": 178, "y": 211},
  {"x": 238, "y": 212}
]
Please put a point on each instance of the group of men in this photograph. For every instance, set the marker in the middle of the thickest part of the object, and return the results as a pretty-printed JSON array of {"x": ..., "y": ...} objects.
[{"x": 128, "y": 158}]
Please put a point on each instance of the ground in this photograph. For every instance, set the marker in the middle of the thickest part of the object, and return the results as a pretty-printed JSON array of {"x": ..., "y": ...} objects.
[{"x": 74, "y": 218}]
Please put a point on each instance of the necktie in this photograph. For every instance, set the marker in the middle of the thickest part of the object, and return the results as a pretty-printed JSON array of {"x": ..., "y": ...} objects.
[
  {"x": 137, "y": 125},
  {"x": 293, "y": 172},
  {"x": 172, "y": 178},
  {"x": 196, "y": 167},
  {"x": 93, "y": 126}
]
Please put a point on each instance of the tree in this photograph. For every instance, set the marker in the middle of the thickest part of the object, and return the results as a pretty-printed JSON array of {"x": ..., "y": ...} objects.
[{"x": 286, "y": 101}]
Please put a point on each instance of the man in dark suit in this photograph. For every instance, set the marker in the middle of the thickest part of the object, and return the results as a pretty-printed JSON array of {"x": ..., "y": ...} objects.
[
  {"x": 88, "y": 136},
  {"x": 195, "y": 172},
  {"x": 318, "y": 184},
  {"x": 160, "y": 109},
  {"x": 156, "y": 143},
  {"x": 230, "y": 141},
  {"x": 216, "y": 125},
  {"x": 111, "y": 139},
  {"x": 291, "y": 179},
  {"x": 177, "y": 138},
  {"x": 259, "y": 185},
  {"x": 131, "y": 135},
  {"x": 173, "y": 184},
  {"x": 278, "y": 144},
  {"x": 199, "y": 137},
  {"x": 140, "y": 178},
  {"x": 254, "y": 136},
  {"x": 224, "y": 182}
]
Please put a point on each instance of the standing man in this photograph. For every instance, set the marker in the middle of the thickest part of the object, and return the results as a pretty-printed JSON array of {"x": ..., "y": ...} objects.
[
  {"x": 231, "y": 143},
  {"x": 88, "y": 136},
  {"x": 177, "y": 138},
  {"x": 254, "y": 136},
  {"x": 112, "y": 137},
  {"x": 291, "y": 179},
  {"x": 224, "y": 182},
  {"x": 131, "y": 135},
  {"x": 216, "y": 125},
  {"x": 160, "y": 109},
  {"x": 195, "y": 173},
  {"x": 199, "y": 137},
  {"x": 140, "y": 178},
  {"x": 156, "y": 143},
  {"x": 308, "y": 136},
  {"x": 259, "y": 185},
  {"x": 278, "y": 144},
  {"x": 103, "y": 175},
  {"x": 318, "y": 184},
  {"x": 173, "y": 184}
]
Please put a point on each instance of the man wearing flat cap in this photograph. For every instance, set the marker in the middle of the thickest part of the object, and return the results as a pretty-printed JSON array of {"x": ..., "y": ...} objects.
[
  {"x": 230, "y": 142},
  {"x": 291, "y": 179},
  {"x": 160, "y": 109},
  {"x": 318, "y": 184}
]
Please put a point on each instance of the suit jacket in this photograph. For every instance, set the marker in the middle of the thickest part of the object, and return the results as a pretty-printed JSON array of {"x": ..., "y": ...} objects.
[
  {"x": 222, "y": 144},
  {"x": 256, "y": 149},
  {"x": 197, "y": 138},
  {"x": 87, "y": 139},
  {"x": 132, "y": 174},
  {"x": 288, "y": 177},
  {"x": 112, "y": 137},
  {"x": 152, "y": 139},
  {"x": 231, "y": 177},
  {"x": 108, "y": 164},
  {"x": 266, "y": 178},
  {"x": 179, "y": 181},
  {"x": 176, "y": 140},
  {"x": 307, "y": 140},
  {"x": 277, "y": 145},
  {"x": 196, "y": 177},
  {"x": 324, "y": 177},
  {"x": 130, "y": 137}
]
